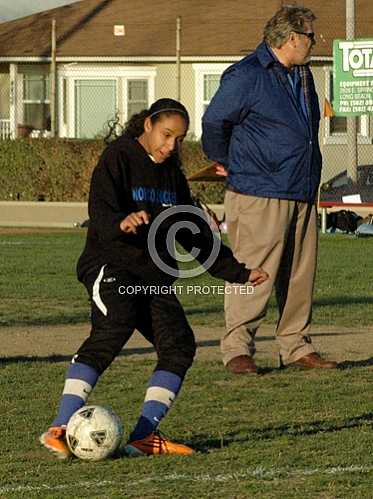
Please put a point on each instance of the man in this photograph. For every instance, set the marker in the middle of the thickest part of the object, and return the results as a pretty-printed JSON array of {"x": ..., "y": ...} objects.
[{"x": 262, "y": 127}]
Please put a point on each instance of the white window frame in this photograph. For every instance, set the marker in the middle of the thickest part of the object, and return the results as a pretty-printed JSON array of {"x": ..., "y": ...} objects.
[
  {"x": 341, "y": 138},
  {"x": 200, "y": 70},
  {"x": 120, "y": 73}
]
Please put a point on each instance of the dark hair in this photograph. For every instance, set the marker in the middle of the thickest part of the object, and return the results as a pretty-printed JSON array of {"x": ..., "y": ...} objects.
[
  {"x": 289, "y": 18},
  {"x": 159, "y": 108}
]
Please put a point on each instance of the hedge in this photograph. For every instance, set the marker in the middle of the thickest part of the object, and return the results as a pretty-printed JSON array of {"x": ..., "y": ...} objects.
[{"x": 60, "y": 169}]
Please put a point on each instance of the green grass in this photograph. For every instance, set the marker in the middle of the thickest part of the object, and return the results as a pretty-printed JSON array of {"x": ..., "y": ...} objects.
[
  {"x": 38, "y": 284},
  {"x": 288, "y": 434}
]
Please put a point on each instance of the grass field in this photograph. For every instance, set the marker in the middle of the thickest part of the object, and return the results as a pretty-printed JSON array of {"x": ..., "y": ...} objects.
[
  {"x": 38, "y": 284},
  {"x": 285, "y": 434}
]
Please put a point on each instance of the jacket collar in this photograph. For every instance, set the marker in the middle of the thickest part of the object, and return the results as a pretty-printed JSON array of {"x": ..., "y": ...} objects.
[
  {"x": 267, "y": 57},
  {"x": 264, "y": 55}
]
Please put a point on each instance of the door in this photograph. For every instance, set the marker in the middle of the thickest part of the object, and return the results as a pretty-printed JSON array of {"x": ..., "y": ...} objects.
[{"x": 95, "y": 105}]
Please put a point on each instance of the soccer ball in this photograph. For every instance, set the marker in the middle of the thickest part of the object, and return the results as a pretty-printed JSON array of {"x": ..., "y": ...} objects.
[{"x": 94, "y": 432}]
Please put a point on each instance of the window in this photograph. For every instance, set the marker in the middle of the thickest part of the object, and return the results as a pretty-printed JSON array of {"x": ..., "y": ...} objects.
[
  {"x": 4, "y": 95},
  {"x": 207, "y": 79},
  {"x": 36, "y": 107},
  {"x": 336, "y": 126},
  {"x": 92, "y": 95},
  {"x": 137, "y": 96},
  {"x": 210, "y": 86}
]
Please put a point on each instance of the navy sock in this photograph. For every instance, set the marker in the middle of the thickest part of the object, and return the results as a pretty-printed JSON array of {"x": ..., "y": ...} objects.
[
  {"x": 80, "y": 380},
  {"x": 162, "y": 390}
]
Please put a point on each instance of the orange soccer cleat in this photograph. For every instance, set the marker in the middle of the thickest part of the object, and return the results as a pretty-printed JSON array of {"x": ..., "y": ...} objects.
[
  {"x": 155, "y": 444},
  {"x": 55, "y": 441}
]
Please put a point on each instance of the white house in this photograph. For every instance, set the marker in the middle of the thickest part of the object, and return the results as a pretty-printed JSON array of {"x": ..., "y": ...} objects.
[{"x": 115, "y": 57}]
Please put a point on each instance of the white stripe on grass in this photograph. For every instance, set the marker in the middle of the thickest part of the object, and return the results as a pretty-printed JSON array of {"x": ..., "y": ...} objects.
[{"x": 259, "y": 473}]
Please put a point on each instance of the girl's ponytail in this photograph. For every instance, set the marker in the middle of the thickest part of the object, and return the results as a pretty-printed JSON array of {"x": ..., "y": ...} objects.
[{"x": 135, "y": 126}]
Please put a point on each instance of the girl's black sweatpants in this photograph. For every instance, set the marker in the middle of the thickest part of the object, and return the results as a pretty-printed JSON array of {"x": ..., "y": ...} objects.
[{"x": 117, "y": 311}]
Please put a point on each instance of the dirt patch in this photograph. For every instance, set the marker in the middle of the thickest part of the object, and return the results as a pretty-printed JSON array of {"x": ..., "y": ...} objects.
[{"x": 63, "y": 341}]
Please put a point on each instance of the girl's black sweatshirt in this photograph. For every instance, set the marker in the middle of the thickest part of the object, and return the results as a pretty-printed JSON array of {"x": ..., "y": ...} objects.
[{"x": 127, "y": 180}]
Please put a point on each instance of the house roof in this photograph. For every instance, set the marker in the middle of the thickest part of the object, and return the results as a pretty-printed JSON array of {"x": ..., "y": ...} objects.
[{"x": 208, "y": 27}]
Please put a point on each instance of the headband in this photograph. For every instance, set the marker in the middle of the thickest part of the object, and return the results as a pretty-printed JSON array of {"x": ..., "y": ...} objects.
[{"x": 169, "y": 109}]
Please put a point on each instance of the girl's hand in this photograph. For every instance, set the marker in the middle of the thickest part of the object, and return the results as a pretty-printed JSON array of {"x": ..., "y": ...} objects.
[
  {"x": 258, "y": 276},
  {"x": 133, "y": 221}
]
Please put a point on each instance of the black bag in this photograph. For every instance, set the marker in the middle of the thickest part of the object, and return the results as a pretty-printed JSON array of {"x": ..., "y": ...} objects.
[{"x": 344, "y": 220}]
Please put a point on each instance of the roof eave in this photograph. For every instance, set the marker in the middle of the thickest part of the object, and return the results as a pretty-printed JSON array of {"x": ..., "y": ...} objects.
[{"x": 133, "y": 58}]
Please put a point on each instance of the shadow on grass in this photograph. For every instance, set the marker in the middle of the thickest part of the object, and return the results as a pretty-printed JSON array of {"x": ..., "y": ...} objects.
[
  {"x": 200, "y": 344},
  {"x": 343, "y": 300},
  {"x": 349, "y": 364},
  {"x": 55, "y": 320},
  {"x": 65, "y": 358},
  {"x": 203, "y": 309},
  {"x": 205, "y": 443},
  {"x": 191, "y": 311}
]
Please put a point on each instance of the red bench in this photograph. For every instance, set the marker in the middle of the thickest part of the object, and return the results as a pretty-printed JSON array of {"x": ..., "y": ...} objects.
[{"x": 330, "y": 204}]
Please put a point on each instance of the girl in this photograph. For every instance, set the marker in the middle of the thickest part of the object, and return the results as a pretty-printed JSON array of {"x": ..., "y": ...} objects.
[{"x": 137, "y": 176}]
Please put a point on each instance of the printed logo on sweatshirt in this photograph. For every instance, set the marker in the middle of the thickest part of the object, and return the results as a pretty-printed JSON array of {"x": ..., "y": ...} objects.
[{"x": 152, "y": 195}]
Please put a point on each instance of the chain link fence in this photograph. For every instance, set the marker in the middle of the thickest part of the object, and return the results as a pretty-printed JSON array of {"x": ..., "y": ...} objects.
[{"x": 96, "y": 96}]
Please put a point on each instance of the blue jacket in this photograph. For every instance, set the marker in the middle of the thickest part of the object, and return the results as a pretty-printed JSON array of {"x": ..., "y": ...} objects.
[{"x": 255, "y": 127}]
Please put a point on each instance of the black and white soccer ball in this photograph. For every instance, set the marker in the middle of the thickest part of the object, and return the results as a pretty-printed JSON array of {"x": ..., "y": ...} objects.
[{"x": 94, "y": 432}]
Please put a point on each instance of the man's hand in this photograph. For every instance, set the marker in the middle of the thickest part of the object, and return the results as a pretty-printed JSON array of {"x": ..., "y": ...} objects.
[
  {"x": 220, "y": 170},
  {"x": 258, "y": 276},
  {"x": 133, "y": 221}
]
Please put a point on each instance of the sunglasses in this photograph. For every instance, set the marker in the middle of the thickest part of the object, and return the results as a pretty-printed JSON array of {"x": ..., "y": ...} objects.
[{"x": 310, "y": 34}]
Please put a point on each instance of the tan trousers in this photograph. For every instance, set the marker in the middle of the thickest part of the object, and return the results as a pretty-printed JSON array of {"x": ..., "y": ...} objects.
[{"x": 280, "y": 236}]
